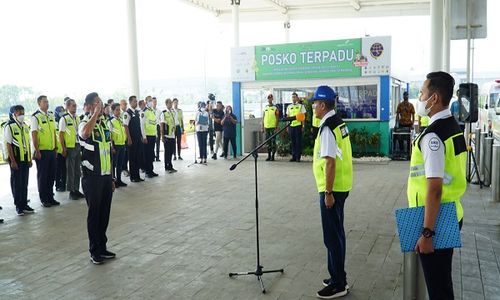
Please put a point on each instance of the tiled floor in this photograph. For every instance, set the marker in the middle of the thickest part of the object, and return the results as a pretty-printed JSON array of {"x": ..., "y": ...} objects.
[{"x": 179, "y": 235}]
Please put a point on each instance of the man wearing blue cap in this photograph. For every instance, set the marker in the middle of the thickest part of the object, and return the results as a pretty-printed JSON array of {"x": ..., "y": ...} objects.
[{"x": 332, "y": 168}]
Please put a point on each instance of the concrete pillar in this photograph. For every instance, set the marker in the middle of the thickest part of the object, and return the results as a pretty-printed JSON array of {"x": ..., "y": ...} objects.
[
  {"x": 132, "y": 45},
  {"x": 235, "y": 4},
  {"x": 446, "y": 35},
  {"x": 436, "y": 61},
  {"x": 286, "y": 26}
]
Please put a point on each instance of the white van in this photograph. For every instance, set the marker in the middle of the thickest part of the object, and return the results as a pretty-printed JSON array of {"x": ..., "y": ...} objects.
[{"x": 489, "y": 108}]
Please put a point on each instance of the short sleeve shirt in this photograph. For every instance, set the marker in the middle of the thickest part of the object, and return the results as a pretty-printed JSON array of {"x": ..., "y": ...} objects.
[
  {"x": 406, "y": 110},
  {"x": 433, "y": 149},
  {"x": 328, "y": 144}
]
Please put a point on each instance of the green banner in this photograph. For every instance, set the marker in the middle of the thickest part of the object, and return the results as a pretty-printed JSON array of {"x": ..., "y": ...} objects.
[{"x": 327, "y": 59}]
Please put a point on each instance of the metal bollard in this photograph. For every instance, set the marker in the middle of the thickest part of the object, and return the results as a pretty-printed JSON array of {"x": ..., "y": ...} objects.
[
  {"x": 414, "y": 287},
  {"x": 495, "y": 174},
  {"x": 488, "y": 148},
  {"x": 481, "y": 166}
]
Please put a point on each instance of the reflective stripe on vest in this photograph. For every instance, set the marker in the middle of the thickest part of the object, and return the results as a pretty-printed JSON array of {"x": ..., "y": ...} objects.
[
  {"x": 270, "y": 119},
  {"x": 150, "y": 122},
  {"x": 20, "y": 141},
  {"x": 454, "y": 182},
  {"x": 118, "y": 134},
  {"x": 96, "y": 157},
  {"x": 343, "y": 161},
  {"x": 46, "y": 131},
  {"x": 293, "y": 110}
]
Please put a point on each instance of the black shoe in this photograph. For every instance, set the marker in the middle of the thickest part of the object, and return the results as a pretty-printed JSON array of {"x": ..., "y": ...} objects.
[
  {"x": 79, "y": 194},
  {"x": 272, "y": 158},
  {"x": 214, "y": 156},
  {"x": 292, "y": 159},
  {"x": 136, "y": 180},
  {"x": 180, "y": 158},
  {"x": 28, "y": 210},
  {"x": 107, "y": 255},
  {"x": 96, "y": 259},
  {"x": 154, "y": 174},
  {"x": 60, "y": 189},
  {"x": 298, "y": 160},
  {"x": 20, "y": 211},
  {"x": 53, "y": 202},
  {"x": 175, "y": 157},
  {"x": 73, "y": 196},
  {"x": 331, "y": 292},
  {"x": 121, "y": 184},
  {"x": 268, "y": 158},
  {"x": 222, "y": 155},
  {"x": 150, "y": 176},
  {"x": 46, "y": 204},
  {"x": 1, "y": 221},
  {"x": 157, "y": 159},
  {"x": 326, "y": 282},
  {"x": 172, "y": 171}
]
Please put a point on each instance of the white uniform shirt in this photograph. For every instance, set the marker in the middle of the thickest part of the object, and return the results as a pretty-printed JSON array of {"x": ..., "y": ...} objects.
[
  {"x": 176, "y": 116},
  {"x": 433, "y": 149},
  {"x": 328, "y": 144},
  {"x": 34, "y": 121}
]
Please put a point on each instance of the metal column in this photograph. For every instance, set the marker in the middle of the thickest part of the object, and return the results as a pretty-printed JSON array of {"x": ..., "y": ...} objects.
[
  {"x": 235, "y": 4},
  {"x": 132, "y": 45},
  {"x": 488, "y": 148},
  {"x": 482, "y": 155},
  {"x": 414, "y": 287},
  {"x": 436, "y": 58},
  {"x": 495, "y": 178}
]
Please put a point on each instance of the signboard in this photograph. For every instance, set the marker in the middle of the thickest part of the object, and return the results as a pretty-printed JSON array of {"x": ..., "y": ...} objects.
[{"x": 369, "y": 56}]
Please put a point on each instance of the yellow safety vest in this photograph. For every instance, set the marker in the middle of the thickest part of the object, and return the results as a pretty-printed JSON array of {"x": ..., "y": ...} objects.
[
  {"x": 343, "y": 161},
  {"x": 96, "y": 155},
  {"x": 118, "y": 135},
  {"x": 20, "y": 141},
  {"x": 315, "y": 121},
  {"x": 46, "y": 132},
  {"x": 270, "y": 116},
  {"x": 169, "y": 129},
  {"x": 424, "y": 121},
  {"x": 180, "y": 117},
  {"x": 70, "y": 137},
  {"x": 149, "y": 122},
  {"x": 454, "y": 182},
  {"x": 293, "y": 110}
]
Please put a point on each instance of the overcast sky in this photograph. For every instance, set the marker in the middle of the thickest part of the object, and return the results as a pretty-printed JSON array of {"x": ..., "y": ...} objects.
[{"x": 62, "y": 46}]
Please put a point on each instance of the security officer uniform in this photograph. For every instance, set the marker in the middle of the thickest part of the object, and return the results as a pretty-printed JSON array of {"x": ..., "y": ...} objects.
[
  {"x": 118, "y": 138},
  {"x": 45, "y": 126},
  {"x": 97, "y": 183},
  {"x": 148, "y": 129},
  {"x": 296, "y": 130},
  {"x": 18, "y": 136},
  {"x": 131, "y": 119},
  {"x": 442, "y": 143},
  {"x": 179, "y": 129},
  {"x": 168, "y": 123},
  {"x": 69, "y": 125},
  {"x": 270, "y": 123}
]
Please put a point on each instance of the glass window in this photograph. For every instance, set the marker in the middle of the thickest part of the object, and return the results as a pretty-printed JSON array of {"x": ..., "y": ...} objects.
[{"x": 357, "y": 102}]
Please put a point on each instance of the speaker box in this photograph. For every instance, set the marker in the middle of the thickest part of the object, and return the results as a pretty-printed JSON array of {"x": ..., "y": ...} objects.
[{"x": 468, "y": 100}]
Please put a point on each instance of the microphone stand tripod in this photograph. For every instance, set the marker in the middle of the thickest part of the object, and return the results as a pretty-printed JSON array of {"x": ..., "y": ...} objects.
[
  {"x": 195, "y": 138},
  {"x": 258, "y": 271}
]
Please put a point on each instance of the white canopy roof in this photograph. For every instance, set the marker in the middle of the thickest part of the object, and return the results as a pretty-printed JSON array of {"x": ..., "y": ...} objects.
[{"x": 269, "y": 10}]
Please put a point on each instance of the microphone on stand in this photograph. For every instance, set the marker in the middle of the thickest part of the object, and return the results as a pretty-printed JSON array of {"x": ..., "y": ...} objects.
[{"x": 301, "y": 117}]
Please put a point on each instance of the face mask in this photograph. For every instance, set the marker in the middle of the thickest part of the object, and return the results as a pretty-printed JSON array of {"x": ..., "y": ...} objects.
[
  {"x": 421, "y": 110},
  {"x": 20, "y": 118},
  {"x": 150, "y": 104}
]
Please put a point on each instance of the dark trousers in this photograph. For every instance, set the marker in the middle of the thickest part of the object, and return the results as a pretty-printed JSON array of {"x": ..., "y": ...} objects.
[
  {"x": 140, "y": 155},
  {"x": 178, "y": 139},
  {"x": 125, "y": 159},
  {"x": 437, "y": 273},
  {"x": 118, "y": 159},
  {"x": 226, "y": 146},
  {"x": 98, "y": 193},
  {"x": 149, "y": 154},
  {"x": 169, "y": 145},
  {"x": 202, "y": 143},
  {"x": 271, "y": 145},
  {"x": 46, "y": 173},
  {"x": 296, "y": 138},
  {"x": 211, "y": 134},
  {"x": 332, "y": 221},
  {"x": 157, "y": 142},
  {"x": 60, "y": 171},
  {"x": 133, "y": 152},
  {"x": 19, "y": 184},
  {"x": 74, "y": 174}
]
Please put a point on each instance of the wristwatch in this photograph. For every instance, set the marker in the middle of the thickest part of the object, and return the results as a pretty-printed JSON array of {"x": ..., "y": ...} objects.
[
  {"x": 427, "y": 232},
  {"x": 328, "y": 193}
]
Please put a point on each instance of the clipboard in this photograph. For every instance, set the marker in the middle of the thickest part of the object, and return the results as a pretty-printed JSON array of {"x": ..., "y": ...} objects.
[{"x": 410, "y": 221}]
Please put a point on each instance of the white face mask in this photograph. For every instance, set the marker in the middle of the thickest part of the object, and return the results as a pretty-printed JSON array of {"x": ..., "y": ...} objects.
[
  {"x": 20, "y": 118},
  {"x": 421, "y": 110},
  {"x": 150, "y": 104}
]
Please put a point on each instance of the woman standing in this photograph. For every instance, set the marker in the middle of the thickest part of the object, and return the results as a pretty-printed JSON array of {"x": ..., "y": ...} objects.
[
  {"x": 229, "y": 129},
  {"x": 201, "y": 122}
]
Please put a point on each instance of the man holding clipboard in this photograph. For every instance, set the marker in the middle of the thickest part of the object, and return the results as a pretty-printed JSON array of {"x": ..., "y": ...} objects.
[{"x": 437, "y": 175}]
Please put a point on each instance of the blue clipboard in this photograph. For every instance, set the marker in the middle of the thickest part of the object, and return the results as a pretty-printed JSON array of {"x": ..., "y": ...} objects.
[{"x": 410, "y": 221}]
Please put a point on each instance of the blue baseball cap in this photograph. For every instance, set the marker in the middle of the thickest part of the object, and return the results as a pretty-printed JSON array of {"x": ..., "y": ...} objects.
[{"x": 324, "y": 93}]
